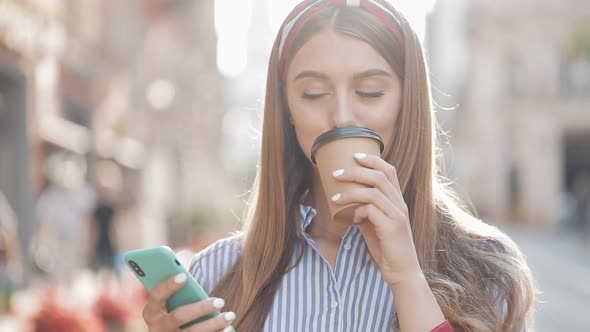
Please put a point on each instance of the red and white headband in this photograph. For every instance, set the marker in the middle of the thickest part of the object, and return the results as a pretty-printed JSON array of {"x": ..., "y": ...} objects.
[{"x": 308, "y": 8}]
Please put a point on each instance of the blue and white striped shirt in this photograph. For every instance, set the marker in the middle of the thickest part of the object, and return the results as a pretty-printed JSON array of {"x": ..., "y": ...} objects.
[{"x": 312, "y": 296}]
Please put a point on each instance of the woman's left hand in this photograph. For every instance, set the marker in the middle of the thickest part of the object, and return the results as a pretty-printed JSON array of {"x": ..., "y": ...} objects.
[{"x": 383, "y": 218}]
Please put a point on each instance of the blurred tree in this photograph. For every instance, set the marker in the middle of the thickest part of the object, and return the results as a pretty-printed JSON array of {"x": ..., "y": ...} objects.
[
  {"x": 200, "y": 220},
  {"x": 579, "y": 43}
]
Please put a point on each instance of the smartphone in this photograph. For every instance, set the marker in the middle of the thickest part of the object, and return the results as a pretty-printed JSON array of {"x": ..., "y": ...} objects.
[{"x": 154, "y": 265}]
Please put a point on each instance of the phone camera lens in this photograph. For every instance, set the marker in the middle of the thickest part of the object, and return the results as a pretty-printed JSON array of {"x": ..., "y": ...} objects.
[{"x": 136, "y": 268}]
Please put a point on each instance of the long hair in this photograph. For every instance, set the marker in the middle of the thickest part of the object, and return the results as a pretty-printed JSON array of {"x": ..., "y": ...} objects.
[{"x": 478, "y": 276}]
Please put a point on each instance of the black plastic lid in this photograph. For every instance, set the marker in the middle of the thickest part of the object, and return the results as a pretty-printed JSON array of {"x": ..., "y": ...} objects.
[{"x": 344, "y": 132}]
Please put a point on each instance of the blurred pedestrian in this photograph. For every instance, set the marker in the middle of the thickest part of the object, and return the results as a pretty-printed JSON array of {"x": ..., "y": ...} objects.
[
  {"x": 104, "y": 215},
  {"x": 64, "y": 207},
  {"x": 409, "y": 258},
  {"x": 581, "y": 192},
  {"x": 10, "y": 263}
]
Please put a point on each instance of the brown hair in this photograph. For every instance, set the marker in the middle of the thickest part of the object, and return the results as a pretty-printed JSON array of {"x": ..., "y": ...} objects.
[{"x": 469, "y": 265}]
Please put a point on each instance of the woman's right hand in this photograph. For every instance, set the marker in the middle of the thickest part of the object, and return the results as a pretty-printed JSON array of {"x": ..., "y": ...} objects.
[{"x": 158, "y": 319}]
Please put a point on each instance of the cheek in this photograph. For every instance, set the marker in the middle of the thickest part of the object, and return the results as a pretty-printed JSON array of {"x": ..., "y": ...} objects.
[
  {"x": 306, "y": 133},
  {"x": 309, "y": 122},
  {"x": 385, "y": 124},
  {"x": 306, "y": 126}
]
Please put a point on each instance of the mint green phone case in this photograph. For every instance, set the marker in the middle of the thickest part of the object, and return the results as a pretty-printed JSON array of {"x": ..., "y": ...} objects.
[{"x": 159, "y": 264}]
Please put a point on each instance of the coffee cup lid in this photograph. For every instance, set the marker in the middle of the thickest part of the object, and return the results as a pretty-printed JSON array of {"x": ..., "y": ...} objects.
[{"x": 344, "y": 132}]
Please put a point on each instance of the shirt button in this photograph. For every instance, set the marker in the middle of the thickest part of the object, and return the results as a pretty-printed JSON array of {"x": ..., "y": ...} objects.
[
  {"x": 347, "y": 246},
  {"x": 334, "y": 304}
]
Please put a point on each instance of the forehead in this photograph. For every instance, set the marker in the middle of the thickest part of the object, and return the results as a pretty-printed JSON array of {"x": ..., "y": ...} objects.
[{"x": 336, "y": 55}]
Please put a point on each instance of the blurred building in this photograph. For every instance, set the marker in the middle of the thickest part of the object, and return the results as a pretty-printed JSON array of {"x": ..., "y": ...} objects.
[
  {"x": 162, "y": 116},
  {"x": 131, "y": 84},
  {"x": 30, "y": 38},
  {"x": 518, "y": 77}
]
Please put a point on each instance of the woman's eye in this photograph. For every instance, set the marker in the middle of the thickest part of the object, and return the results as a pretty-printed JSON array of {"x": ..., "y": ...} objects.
[
  {"x": 370, "y": 94},
  {"x": 313, "y": 95}
]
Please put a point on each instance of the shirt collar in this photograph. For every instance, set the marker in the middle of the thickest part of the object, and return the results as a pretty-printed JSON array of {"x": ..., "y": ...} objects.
[{"x": 307, "y": 215}]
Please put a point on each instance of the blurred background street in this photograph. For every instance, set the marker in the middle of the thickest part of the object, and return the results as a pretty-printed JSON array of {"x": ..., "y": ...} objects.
[
  {"x": 561, "y": 266},
  {"x": 135, "y": 123}
]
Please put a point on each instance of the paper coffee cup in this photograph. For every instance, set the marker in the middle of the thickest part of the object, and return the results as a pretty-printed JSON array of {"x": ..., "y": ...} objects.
[{"x": 334, "y": 150}]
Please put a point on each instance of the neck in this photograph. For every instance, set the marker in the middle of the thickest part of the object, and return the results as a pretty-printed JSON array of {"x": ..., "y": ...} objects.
[{"x": 323, "y": 228}]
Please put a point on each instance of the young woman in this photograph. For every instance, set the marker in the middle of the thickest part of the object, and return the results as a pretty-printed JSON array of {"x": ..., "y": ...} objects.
[{"x": 414, "y": 259}]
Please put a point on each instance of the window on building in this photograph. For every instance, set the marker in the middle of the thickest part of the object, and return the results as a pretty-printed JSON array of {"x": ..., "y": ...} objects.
[
  {"x": 76, "y": 112},
  {"x": 574, "y": 67},
  {"x": 516, "y": 81}
]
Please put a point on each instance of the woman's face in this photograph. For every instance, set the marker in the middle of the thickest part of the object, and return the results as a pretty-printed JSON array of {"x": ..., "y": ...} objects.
[{"x": 335, "y": 81}]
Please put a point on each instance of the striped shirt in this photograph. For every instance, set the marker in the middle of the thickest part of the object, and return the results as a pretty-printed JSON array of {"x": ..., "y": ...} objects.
[{"x": 313, "y": 296}]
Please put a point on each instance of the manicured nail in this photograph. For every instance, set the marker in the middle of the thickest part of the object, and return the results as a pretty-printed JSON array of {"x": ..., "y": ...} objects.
[
  {"x": 218, "y": 303},
  {"x": 180, "y": 278},
  {"x": 360, "y": 155},
  {"x": 228, "y": 329},
  {"x": 229, "y": 316},
  {"x": 338, "y": 172},
  {"x": 336, "y": 197}
]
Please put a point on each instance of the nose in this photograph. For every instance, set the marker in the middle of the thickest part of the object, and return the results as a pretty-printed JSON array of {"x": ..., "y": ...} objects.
[{"x": 342, "y": 114}]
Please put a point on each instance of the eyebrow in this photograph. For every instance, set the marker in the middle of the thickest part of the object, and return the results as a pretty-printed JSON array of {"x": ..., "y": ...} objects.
[
  {"x": 357, "y": 76},
  {"x": 312, "y": 74},
  {"x": 371, "y": 72}
]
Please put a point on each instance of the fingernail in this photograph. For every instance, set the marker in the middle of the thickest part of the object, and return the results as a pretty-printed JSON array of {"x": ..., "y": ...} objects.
[
  {"x": 336, "y": 197},
  {"x": 338, "y": 172},
  {"x": 228, "y": 329},
  {"x": 218, "y": 303},
  {"x": 360, "y": 155},
  {"x": 180, "y": 278},
  {"x": 229, "y": 316}
]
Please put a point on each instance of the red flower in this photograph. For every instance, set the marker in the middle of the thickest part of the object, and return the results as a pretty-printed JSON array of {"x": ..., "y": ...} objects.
[
  {"x": 110, "y": 307},
  {"x": 59, "y": 313}
]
